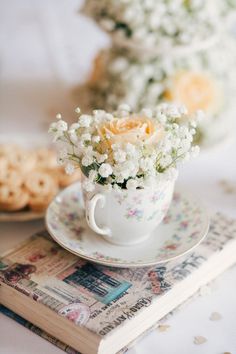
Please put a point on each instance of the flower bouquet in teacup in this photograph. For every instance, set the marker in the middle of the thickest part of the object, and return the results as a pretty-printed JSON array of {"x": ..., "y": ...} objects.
[{"x": 129, "y": 165}]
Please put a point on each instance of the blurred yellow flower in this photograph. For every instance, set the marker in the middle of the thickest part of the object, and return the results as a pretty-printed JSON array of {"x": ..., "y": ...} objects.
[{"x": 196, "y": 90}]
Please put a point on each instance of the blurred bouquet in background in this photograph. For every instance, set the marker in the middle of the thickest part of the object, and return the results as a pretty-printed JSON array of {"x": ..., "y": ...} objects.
[
  {"x": 167, "y": 51},
  {"x": 152, "y": 25}
]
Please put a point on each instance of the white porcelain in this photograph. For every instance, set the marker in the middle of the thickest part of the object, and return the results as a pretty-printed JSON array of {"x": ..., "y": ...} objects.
[
  {"x": 21, "y": 216},
  {"x": 183, "y": 228},
  {"x": 127, "y": 217}
]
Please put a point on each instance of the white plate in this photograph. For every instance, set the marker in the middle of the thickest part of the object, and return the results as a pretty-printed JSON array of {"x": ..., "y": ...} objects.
[
  {"x": 184, "y": 227},
  {"x": 25, "y": 215}
]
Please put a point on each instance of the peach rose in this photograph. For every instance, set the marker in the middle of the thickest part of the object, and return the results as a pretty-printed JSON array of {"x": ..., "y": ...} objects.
[
  {"x": 196, "y": 91},
  {"x": 131, "y": 130}
]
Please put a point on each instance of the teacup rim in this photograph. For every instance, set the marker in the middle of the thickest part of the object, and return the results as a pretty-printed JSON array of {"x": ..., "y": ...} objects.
[{"x": 151, "y": 187}]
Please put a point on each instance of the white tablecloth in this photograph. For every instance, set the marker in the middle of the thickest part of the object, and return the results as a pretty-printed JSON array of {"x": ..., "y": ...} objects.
[{"x": 45, "y": 51}]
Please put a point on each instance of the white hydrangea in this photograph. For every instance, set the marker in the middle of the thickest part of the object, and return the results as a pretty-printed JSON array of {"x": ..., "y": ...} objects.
[
  {"x": 62, "y": 155},
  {"x": 130, "y": 149},
  {"x": 129, "y": 168},
  {"x": 99, "y": 115},
  {"x": 74, "y": 126},
  {"x": 58, "y": 128},
  {"x": 119, "y": 155},
  {"x": 87, "y": 160},
  {"x": 105, "y": 170},
  {"x": 101, "y": 157},
  {"x": 84, "y": 120},
  {"x": 73, "y": 136},
  {"x": 61, "y": 125}
]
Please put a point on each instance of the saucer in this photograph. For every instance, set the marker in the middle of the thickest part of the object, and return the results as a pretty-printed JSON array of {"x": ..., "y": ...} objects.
[{"x": 184, "y": 227}]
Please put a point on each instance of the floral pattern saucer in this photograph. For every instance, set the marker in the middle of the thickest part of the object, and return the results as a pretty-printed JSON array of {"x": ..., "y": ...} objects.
[{"x": 184, "y": 227}]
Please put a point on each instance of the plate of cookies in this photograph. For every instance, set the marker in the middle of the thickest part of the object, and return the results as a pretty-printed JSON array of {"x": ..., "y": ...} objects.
[{"x": 29, "y": 180}]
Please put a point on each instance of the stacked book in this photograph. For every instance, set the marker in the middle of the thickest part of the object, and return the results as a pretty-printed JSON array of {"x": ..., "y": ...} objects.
[{"x": 97, "y": 309}]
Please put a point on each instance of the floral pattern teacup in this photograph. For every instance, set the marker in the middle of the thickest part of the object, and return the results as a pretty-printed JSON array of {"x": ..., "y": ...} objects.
[{"x": 127, "y": 217}]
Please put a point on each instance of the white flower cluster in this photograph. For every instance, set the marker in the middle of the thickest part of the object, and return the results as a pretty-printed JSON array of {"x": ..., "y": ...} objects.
[
  {"x": 143, "y": 83},
  {"x": 125, "y": 149},
  {"x": 159, "y": 23}
]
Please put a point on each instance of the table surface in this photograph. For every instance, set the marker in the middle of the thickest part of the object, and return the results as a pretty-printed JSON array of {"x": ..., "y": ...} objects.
[{"x": 46, "y": 49}]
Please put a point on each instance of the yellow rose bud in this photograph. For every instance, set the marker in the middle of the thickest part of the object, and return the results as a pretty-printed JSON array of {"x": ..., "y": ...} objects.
[
  {"x": 196, "y": 91},
  {"x": 131, "y": 130}
]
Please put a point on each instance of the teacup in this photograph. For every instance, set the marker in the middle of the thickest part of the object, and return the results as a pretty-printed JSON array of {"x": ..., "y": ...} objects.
[{"x": 127, "y": 217}]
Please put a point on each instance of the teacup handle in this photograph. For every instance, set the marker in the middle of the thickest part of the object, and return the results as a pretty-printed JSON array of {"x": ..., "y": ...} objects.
[{"x": 90, "y": 215}]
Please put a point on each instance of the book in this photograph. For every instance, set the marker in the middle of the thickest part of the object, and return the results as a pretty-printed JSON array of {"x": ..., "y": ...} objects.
[
  {"x": 97, "y": 309},
  {"x": 20, "y": 320},
  {"x": 5, "y": 311}
]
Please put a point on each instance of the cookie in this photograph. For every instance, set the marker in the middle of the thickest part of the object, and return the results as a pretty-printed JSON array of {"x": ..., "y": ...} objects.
[
  {"x": 13, "y": 198},
  {"x": 45, "y": 158},
  {"x": 64, "y": 179},
  {"x": 22, "y": 160},
  {"x": 40, "y": 203},
  {"x": 3, "y": 163},
  {"x": 30, "y": 177},
  {"x": 40, "y": 183},
  {"x": 11, "y": 177},
  {"x": 6, "y": 149}
]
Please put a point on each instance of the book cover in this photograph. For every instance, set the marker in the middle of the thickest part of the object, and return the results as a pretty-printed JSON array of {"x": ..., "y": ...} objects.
[
  {"x": 5, "y": 311},
  {"x": 103, "y": 299},
  {"x": 20, "y": 320}
]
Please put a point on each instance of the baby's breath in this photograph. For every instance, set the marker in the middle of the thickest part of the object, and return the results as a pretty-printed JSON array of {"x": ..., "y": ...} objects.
[
  {"x": 143, "y": 147},
  {"x": 159, "y": 23}
]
